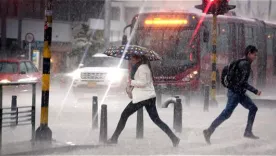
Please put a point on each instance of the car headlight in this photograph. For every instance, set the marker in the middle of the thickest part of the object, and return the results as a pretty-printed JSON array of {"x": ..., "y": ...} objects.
[
  {"x": 190, "y": 76},
  {"x": 115, "y": 76},
  {"x": 5, "y": 81},
  {"x": 75, "y": 74},
  {"x": 29, "y": 79}
]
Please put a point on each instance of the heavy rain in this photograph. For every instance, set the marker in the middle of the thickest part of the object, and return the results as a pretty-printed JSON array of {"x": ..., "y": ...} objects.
[{"x": 137, "y": 77}]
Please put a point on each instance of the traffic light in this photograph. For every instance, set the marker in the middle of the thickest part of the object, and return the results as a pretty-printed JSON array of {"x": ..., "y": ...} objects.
[
  {"x": 224, "y": 7},
  {"x": 218, "y": 7},
  {"x": 207, "y": 6}
]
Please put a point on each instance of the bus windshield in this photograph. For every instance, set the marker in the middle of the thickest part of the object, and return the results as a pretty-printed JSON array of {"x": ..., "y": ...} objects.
[{"x": 172, "y": 45}]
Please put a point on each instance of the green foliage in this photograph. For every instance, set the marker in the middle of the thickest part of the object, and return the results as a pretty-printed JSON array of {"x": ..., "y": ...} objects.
[{"x": 86, "y": 38}]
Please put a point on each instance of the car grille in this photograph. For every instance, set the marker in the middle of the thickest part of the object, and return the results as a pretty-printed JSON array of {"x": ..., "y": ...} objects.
[{"x": 93, "y": 76}]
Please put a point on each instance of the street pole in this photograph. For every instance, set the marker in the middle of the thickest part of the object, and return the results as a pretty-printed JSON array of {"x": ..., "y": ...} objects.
[
  {"x": 30, "y": 51},
  {"x": 269, "y": 9},
  {"x": 19, "y": 16},
  {"x": 107, "y": 10},
  {"x": 214, "y": 61},
  {"x": 3, "y": 27},
  {"x": 43, "y": 133},
  {"x": 29, "y": 38}
]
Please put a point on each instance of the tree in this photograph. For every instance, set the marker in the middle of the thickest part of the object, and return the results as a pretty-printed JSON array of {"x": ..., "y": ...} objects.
[{"x": 88, "y": 40}]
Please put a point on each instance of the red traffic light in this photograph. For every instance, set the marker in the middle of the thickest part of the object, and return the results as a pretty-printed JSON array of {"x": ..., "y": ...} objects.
[{"x": 218, "y": 7}]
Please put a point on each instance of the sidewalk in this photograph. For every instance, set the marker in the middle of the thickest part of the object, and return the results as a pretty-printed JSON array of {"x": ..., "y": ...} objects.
[
  {"x": 29, "y": 148},
  {"x": 23, "y": 147}
]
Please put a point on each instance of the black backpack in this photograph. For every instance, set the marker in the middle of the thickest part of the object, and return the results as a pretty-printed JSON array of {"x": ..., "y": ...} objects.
[{"x": 227, "y": 77}]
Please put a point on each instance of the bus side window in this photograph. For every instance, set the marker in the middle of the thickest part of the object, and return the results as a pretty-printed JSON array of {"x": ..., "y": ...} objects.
[
  {"x": 274, "y": 64},
  {"x": 206, "y": 34},
  {"x": 222, "y": 38},
  {"x": 249, "y": 36},
  {"x": 274, "y": 53},
  {"x": 270, "y": 47}
]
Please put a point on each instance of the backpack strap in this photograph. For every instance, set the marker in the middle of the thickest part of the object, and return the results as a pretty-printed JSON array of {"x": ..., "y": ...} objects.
[
  {"x": 233, "y": 67},
  {"x": 235, "y": 63}
]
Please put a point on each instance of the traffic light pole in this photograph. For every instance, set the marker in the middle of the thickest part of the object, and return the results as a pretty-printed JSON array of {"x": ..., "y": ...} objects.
[
  {"x": 43, "y": 133},
  {"x": 214, "y": 61},
  {"x": 215, "y": 7}
]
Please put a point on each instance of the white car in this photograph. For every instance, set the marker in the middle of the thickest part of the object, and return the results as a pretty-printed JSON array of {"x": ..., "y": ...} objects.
[{"x": 97, "y": 73}]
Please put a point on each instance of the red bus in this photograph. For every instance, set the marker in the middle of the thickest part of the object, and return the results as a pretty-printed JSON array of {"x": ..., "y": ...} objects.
[
  {"x": 188, "y": 64},
  {"x": 234, "y": 34}
]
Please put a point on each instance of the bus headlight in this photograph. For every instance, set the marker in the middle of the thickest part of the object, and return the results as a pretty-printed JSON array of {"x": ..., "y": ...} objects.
[
  {"x": 187, "y": 78},
  {"x": 190, "y": 76}
]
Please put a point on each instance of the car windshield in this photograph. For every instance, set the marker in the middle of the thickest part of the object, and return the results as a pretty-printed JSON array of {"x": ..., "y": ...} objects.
[
  {"x": 105, "y": 62},
  {"x": 8, "y": 67}
]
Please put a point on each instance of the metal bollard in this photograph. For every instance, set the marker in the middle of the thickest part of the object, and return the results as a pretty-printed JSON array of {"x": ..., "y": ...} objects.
[
  {"x": 169, "y": 101},
  {"x": 174, "y": 115},
  {"x": 202, "y": 93},
  {"x": 206, "y": 97},
  {"x": 202, "y": 89},
  {"x": 140, "y": 124},
  {"x": 16, "y": 117},
  {"x": 174, "y": 110},
  {"x": 103, "y": 124},
  {"x": 14, "y": 103},
  {"x": 95, "y": 112},
  {"x": 188, "y": 96},
  {"x": 14, "y": 108},
  {"x": 1, "y": 121},
  {"x": 178, "y": 115},
  {"x": 33, "y": 111},
  {"x": 159, "y": 99},
  {"x": 1, "y": 115},
  {"x": 33, "y": 124}
]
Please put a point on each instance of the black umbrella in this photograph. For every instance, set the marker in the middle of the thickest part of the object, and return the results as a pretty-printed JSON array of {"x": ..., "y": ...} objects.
[{"x": 128, "y": 50}]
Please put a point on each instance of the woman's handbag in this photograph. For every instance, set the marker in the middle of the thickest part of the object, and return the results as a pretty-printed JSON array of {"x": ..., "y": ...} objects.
[{"x": 129, "y": 91}]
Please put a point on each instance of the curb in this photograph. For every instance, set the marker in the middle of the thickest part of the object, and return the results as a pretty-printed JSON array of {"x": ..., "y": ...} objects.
[
  {"x": 265, "y": 103},
  {"x": 56, "y": 150}
]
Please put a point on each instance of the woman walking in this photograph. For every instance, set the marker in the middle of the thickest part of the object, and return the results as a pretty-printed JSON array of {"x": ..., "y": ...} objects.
[{"x": 143, "y": 95}]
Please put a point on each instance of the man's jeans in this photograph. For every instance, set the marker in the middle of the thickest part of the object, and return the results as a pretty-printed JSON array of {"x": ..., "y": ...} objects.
[{"x": 233, "y": 100}]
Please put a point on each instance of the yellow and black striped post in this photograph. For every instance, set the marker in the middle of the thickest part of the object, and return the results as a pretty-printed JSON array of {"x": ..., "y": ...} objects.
[
  {"x": 214, "y": 61},
  {"x": 43, "y": 133}
]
